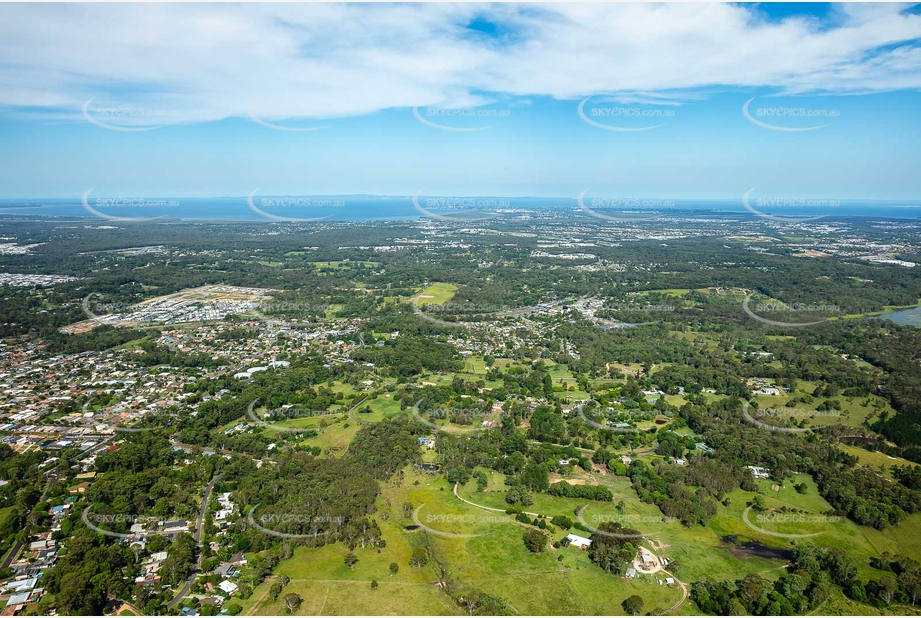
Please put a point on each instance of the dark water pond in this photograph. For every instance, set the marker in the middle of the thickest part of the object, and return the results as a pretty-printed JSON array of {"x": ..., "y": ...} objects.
[{"x": 748, "y": 549}]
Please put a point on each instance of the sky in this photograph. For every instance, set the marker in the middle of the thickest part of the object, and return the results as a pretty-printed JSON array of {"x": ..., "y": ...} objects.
[{"x": 684, "y": 101}]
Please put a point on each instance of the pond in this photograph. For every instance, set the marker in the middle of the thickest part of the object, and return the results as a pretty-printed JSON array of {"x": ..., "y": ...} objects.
[
  {"x": 909, "y": 317},
  {"x": 746, "y": 549}
]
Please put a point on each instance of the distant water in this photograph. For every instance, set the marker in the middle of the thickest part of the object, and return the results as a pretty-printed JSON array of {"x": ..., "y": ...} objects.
[
  {"x": 911, "y": 317},
  {"x": 375, "y": 208}
]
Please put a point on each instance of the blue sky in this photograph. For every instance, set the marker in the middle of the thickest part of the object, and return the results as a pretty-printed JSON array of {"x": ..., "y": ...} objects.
[{"x": 461, "y": 100}]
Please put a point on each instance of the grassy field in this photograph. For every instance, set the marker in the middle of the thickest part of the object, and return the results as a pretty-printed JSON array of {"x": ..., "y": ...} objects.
[
  {"x": 381, "y": 406},
  {"x": 490, "y": 555},
  {"x": 335, "y": 438},
  {"x": 807, "y": 519},
  {"x": 496, "y": 562},
  {"x": 855, "y": 411},
  {"x": 902, "y": 539},
  {"x": 436, "y": 294},
  {"x": 875, "y": 458},
  {"x": 700, "y": 551}
]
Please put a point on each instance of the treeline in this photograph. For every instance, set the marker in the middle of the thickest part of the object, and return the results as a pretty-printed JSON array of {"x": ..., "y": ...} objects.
[
  {"x": 867, "y": 497},
  {"x": 808, "y": 582},
  {"x": 588, "y": 492},
  {"x": 664, "y": 486},
  {"x": 613, "y": 547},
  {"x": 327, "y": 500},
  {"x": 103, "y": 337},
  {"x": 408, "y": 356}
]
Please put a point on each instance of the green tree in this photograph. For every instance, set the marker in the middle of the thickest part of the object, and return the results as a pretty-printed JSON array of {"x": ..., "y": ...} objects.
[
  {"x": 633, "y": 605},
  {"x": 535, "y": 540},
  {"x": 292, "y": 601},
  {"x": 419, "y": 558}
]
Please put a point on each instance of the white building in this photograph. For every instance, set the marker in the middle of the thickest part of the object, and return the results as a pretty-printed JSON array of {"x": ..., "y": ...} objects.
[{"x": 579, "y": 541}]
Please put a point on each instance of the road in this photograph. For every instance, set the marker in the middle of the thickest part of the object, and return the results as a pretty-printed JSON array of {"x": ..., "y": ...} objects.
[
  {"x": 210, "y": 450},
  {"x": 199, "y": 531},
  {"x": 684, "y": 592},
  {"x": 355, "y": 407},
  {"x": 487, "y": 508}
]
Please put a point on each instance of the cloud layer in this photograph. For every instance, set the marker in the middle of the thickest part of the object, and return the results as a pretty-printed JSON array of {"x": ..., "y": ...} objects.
[{"x": 185, "y": 62}]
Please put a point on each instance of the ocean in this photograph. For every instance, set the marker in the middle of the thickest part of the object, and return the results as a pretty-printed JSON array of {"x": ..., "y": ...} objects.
[{"x": 376, "y": 208}]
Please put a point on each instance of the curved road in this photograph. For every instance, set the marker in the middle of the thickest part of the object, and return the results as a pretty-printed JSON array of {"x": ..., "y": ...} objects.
[
  {"x": 487, "y": 508},
  {"x": 199, "y": 530},
  {"x": 684, "y": 592}
]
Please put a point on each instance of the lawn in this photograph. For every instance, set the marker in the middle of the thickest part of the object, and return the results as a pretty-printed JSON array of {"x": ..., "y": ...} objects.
[
  {"x": 382, "y": 406},
  {"x": 334, "y": 439},
  {"x": 436, "y": 294},
  {"x": 875, "y": 458},
  {"x": 807, "y": 518},
  {"x": 899, "y": 540}
]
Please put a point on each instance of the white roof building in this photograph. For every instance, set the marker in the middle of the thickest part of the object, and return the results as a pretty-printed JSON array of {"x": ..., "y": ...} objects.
[
  {"x": 228, "y": 586},
  {"x": 579, "y": 541}
]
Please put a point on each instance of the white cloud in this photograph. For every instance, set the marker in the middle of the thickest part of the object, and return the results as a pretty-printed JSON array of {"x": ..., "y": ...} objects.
[{"x": 205, "y": 62}]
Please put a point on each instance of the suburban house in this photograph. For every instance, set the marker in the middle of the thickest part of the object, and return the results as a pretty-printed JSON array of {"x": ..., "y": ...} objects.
[{"x": 228, "y": 586}]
